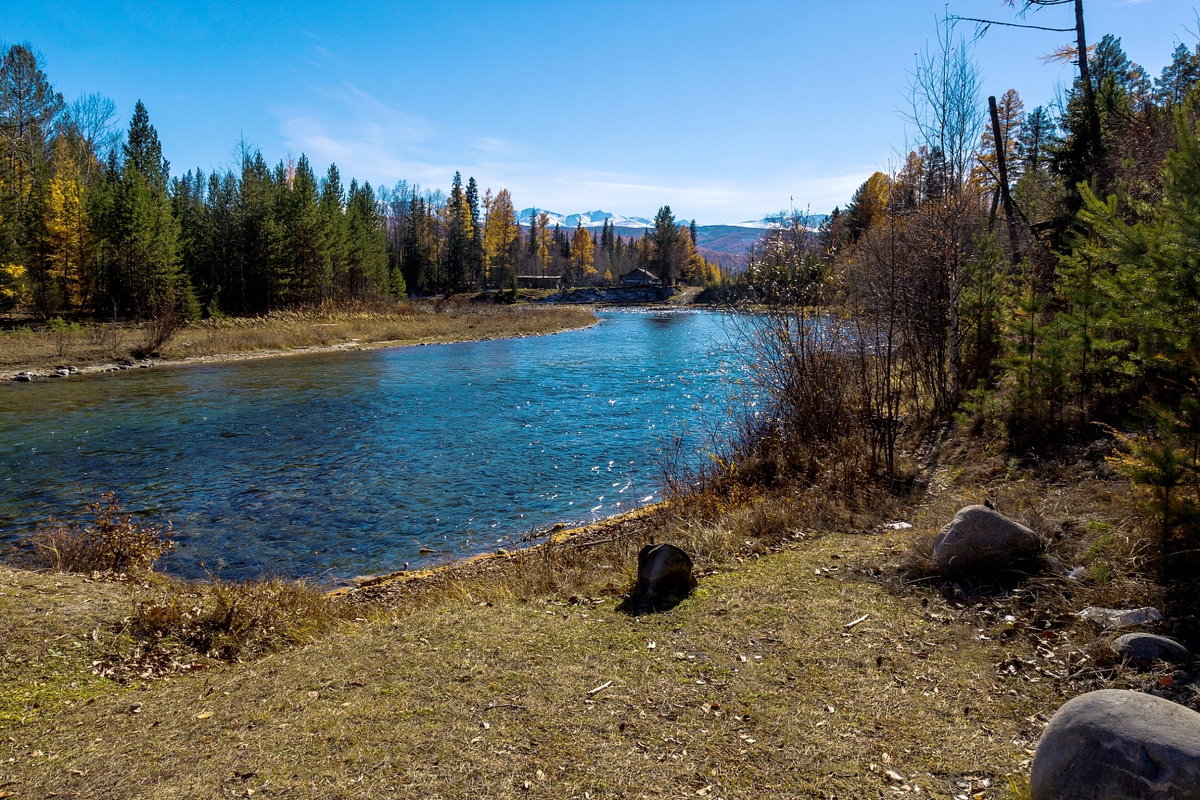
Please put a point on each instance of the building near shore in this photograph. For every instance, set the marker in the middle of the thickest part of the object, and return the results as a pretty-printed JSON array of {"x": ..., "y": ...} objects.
[
  {"x": 539, "y": 281},
  {"x": 640, "y": 277}
]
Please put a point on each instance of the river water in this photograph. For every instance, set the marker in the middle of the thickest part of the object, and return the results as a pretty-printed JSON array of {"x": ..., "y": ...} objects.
[{"x": 335, "y": 465}]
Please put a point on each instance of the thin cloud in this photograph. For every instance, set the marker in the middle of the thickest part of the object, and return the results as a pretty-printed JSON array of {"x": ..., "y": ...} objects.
[{"x": 373, "y": 140}]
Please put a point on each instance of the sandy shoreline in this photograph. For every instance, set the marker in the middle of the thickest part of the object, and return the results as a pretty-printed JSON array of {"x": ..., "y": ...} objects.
[{"x": 122, "y": 365}]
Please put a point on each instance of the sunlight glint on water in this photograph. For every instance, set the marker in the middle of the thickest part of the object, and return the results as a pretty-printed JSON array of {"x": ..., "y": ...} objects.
[{"x": 336, "y": 465}]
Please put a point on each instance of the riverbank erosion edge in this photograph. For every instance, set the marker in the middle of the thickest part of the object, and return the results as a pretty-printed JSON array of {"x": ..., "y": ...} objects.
[
  {"x": 54, "y": 356},
  {"x": 806, "y": 663}
]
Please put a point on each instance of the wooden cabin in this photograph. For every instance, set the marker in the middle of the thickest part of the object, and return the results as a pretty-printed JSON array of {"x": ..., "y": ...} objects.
[{"x": 640, "y": 277}]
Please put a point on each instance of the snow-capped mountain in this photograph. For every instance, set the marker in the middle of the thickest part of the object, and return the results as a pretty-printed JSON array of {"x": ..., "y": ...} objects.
[
  {"x": 587, "y": 219},
  {"x": 594, "y": 219},
  {"x": 775, "y": 221}
]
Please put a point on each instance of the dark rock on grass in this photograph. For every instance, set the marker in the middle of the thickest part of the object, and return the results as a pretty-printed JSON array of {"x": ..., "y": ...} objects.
[
  {"x": 1147, "y": 648},
  {"x": 664, "y": 576},
  {"x": 980, "y": 538},
  {"x": 1118, "y": 745}
]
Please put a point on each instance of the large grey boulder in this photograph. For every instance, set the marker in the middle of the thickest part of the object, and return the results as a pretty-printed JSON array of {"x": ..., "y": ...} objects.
[
  {"x": 1146, "y": 648},
  {"x": 664, "y": 574},
  {"x": 1118, "y": 745},
  {"x": 981, "y": 538}
]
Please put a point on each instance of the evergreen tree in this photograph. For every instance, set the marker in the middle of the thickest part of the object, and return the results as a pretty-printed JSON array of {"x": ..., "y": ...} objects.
[
  {"x": 258, "y": 284},
  {"x": 420, "y": 261},
  {"x": 460, "y": 239},
  {"x": 1034, "y": 139},
  {"x": 1179, "y": 76},
  {"x": 366, "y": 247},
  {"x": 142, "y": 230},
  {"x": 334, "y": 225},
  {"x": 667, "y": 247},
  {"x": 475, "y": 258},
  {"x": 303, "y": 276}
]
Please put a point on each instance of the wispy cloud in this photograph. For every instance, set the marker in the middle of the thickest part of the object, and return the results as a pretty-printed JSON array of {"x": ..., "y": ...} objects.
[{"x": 374, "y": 140}]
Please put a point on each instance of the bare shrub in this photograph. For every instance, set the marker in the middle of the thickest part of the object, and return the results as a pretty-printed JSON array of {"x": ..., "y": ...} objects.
[
  {"x": 65, "y": 335},
  {"x": 104, "y": 335},
  {"x": 806, "y": 422},
  {"x": 113, "y": 542},
  {"x": 158, "y": 331}
]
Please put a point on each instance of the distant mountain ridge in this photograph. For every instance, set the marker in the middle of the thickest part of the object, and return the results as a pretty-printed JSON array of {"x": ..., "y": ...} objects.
[
  {"x": 590, "y": 219},
  {"x": 725, "y": 244}
]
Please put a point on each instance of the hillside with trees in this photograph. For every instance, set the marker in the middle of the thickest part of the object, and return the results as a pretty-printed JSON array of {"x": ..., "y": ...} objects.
[
  {"x": 93, "y": 224},
  {"x": 1030, "y": 273}
]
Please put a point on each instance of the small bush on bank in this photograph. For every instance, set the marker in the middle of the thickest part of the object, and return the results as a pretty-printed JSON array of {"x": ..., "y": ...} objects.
[{"x": 113, "y": 542}]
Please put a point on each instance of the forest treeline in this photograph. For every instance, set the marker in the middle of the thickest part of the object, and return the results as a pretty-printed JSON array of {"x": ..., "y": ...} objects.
[
  {"x": 1034, "y": 272},
  {"x": 93, "y": 223}
]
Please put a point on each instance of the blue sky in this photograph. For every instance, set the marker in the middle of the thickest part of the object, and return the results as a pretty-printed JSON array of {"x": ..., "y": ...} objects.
[{"x": 726, "y": 111}]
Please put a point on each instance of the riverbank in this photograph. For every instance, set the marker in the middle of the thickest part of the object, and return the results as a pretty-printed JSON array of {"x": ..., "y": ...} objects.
[
  {"x": 805, "y": 665},
  {"x": 61, "y": 351}
]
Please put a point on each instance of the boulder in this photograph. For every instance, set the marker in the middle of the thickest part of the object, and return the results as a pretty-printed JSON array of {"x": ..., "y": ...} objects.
[
  {"x": 1146, "y": 648},
  {"x": 1116, "y": 744},
  {"x": 664, "y": 574},
  {"x": 979, "y": 538}
]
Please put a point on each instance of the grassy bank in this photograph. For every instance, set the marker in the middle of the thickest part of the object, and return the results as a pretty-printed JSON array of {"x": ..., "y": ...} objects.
[
  {"x": 44, "y": 347},
  {"x": 811, "y": 662}
]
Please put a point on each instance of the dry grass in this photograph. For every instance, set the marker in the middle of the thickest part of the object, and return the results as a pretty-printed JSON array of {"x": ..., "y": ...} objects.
[
  {"x": 753, "y": 687},
  {"x": 409, "y": 323},
  {"x": 234, "y": 621}
]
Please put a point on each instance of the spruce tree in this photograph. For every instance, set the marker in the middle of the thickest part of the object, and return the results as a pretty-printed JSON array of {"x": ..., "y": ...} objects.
[
  {"x": 304, "y": 278},
  {"x": 460, "y": 239},
  {"x": 665, "y": 238},
  {"x": 146, "y": 277},
  {"x": 334, "y": 225},
  {"x": 259, "y": 262}
]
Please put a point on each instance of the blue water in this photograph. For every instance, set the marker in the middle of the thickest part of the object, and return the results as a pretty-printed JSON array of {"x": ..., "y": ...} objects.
[{"x": 335, "y": 465}]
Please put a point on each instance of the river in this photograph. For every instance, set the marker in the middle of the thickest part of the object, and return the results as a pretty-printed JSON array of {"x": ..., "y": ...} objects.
[{"x": 334, "y": 465}]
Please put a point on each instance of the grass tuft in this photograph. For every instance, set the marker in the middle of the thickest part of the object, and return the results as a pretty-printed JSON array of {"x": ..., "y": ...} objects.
[{"x": 237, "y": 620}]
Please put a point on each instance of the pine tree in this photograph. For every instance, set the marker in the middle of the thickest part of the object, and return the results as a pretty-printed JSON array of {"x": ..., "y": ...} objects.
[
  {"x": 366, "y": 246},
  {"x": 304, "y": 277},
  {"x": 1011, "y": 111},
  {"x": 223, "y": 255},
  {"x": 475, "y": 259},
  {"x": 334, "y": 223},
  {"x": 258, "y": 245},
  {"x": 1179, "y": 76},
  {"x": 1034, "y": 140},
  {"x": 188, "y": 206},
  {"x": 460, "y": 238},
  {"x": 144, "y": 234},
  {"x": 665, "y": 238}
]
